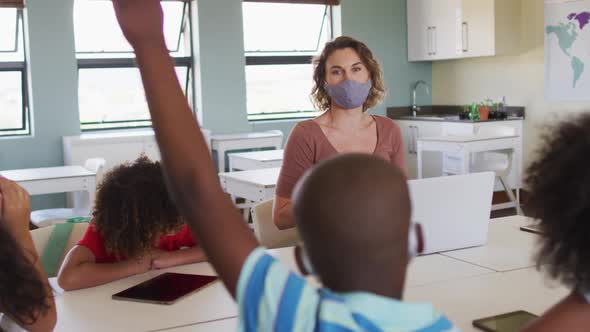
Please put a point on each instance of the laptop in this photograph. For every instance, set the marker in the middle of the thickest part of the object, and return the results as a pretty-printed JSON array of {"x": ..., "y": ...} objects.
[{"x": 454, "y": 211}]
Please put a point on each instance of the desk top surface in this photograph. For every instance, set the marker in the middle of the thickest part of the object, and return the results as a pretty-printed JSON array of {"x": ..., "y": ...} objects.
[
  {"x": 465, "y": 138},
  {"x": 47, "y": 173},
  {"x": 508, "y": 247},
  {"x": 232, "y": 137},
  {"x": 266, "y": 177},
  {"x": 461, "y": 289},
  {"x": 268, "y": 155}
]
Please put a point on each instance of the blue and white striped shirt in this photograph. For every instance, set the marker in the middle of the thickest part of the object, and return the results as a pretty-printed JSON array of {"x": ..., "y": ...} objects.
[{"x": 272, "y": 298}]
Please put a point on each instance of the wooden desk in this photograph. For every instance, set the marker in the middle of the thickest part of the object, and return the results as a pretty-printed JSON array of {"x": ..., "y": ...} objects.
[
  {"x": 51, "y": 180},
  {"x": 508, "y": 247},
  {"x": 255, "y": 185},
  {"x": 244, "y": 161}
]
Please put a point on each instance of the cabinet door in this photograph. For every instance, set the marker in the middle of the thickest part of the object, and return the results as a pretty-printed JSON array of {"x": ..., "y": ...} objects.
[
  {"x": 408, "y": 137},
  {"x": 431, "y": 160},
  {"x": 446, "y": 36},
  {"x": 419, "y": 30},
  {"x": 478, "y": 28}
]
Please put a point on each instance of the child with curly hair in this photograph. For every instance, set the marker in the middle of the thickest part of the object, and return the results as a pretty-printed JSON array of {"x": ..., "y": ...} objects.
[
  {"x": 135, "y": 227},
  {"x": 559, "y": 182}
]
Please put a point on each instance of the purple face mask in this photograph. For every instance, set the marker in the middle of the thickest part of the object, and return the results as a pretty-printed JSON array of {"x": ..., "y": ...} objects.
[{"x": 349, "y": 94}]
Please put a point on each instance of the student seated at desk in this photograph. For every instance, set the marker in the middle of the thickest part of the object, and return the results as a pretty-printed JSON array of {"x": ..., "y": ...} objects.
[
  {"x": 25, "y": 294},
  {"x": 135, "y": 227},
  {"x": 559, "y": 183},
  {"x": 353, "y": 213}
]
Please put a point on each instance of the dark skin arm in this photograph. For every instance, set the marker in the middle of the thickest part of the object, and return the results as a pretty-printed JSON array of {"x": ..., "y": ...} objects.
[{"x": 189, "y": 170}]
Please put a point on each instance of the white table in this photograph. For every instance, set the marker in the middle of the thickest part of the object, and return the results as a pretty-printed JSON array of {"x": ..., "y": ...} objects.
[
  {"x": 508, "y": 247},
  {"x": 244, "y": 161},
  {"x": 464, "y": 146},
  {"x": 460, "y": 289},
  {"x": 93, "y": 309},
  {"x": 51, "y": 180},
  {"x": 256, "y": 185},
  {"x": 223, "y": 143},
  {"x": 466, "y": 299}
]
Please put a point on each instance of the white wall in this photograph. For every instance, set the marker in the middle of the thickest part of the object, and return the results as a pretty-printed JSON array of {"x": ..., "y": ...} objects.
[{"x": 519, "y": 77}]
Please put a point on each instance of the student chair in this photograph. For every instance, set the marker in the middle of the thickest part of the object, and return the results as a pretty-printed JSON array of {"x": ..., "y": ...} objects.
[
  {"x": 48, "y": 217},
  {"x": 52, "y": 244},
  {"x": 265, "y": 230}
]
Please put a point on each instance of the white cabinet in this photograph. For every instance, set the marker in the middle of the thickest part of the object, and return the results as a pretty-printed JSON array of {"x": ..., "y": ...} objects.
[
  {"x": 453, "y": 29},
  {"x": 433, "y": 29},
  {"x": 411, "y": 131}
]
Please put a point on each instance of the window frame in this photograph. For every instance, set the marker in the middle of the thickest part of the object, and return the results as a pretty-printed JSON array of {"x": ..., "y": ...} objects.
[
  {"x": 20, "y": 67},
  {"x": 101, "y": 62},
  {"x": 260, "y": 60}
]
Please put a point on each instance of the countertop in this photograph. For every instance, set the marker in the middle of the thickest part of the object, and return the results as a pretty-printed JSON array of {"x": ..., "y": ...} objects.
[{"x": 447, "y": 113}]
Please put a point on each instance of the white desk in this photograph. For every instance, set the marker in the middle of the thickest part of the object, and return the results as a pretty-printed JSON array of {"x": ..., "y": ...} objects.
[
  {"x": 464, "y": 300},
  {"x": 508, "y": 247},
  {"x": 51, "y": 180},
  {"x": 93, "y": 309},
  {"x": 220, "y": 325},
  {"x": 462, "y": 290},
  {"x": 222, "y": 143},
  {"x": 244, "y": 161},
  {"x": 464, "y": 146},
  {"x": 255, "y": 185}
]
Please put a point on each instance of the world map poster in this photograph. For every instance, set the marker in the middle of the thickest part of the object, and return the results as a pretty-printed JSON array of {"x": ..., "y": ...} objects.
[{"x": 567, "y": 50}]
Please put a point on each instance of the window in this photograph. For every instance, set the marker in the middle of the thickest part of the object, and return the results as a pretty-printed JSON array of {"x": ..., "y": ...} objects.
[
  {"x": 14, "y": 113},
  {"x": 280, "y": 40},
  {"x": 110, "y": 90}
]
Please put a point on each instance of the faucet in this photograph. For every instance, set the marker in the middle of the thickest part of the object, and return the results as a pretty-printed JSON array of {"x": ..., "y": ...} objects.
[{"x": 416, "y": 108}]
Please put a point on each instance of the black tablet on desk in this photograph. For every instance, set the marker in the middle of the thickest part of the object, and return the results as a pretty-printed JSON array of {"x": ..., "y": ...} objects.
[{"x": 166, "y": 288}]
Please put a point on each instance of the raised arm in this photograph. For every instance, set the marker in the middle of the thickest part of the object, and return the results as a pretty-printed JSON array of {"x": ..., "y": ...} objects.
[{"x": 188, "y": 167}]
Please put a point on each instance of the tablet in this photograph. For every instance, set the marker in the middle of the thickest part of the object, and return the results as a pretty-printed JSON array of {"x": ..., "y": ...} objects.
[
  {"x": 166, "y": 288},
  {"x": 509, "y": 322}
]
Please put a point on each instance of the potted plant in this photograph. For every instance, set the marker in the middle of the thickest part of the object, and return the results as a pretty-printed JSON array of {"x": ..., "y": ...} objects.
[{"x": 485, "y": 107}]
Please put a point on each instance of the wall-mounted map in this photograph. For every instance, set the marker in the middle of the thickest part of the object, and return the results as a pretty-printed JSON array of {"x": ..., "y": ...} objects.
[{"x": 567, "y": 49}]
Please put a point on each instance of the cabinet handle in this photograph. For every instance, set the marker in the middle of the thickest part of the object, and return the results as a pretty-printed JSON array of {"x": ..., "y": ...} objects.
[
  {"x": 416, "y": 140},
  {"x": 413, "y": 135},
  {"x": 434, "y": 48},
  {"x": 465, "y": 30},
  {"x": 409, "y": 142},
  {"x": 428, "y": 43}
]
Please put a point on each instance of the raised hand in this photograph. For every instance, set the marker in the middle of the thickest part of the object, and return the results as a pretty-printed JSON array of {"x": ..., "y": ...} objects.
[{"x": 141, "y": 22}]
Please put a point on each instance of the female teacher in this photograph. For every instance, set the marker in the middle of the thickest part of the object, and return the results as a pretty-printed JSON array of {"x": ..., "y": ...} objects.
[{"x": 347, "y": 82}]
